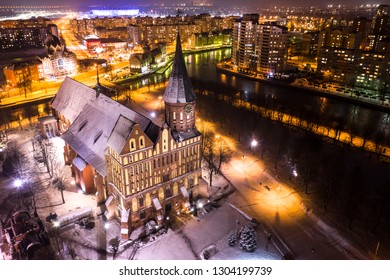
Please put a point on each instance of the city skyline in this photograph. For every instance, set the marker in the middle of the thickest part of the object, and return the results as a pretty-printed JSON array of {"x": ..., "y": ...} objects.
[{"x": 228, "y": 3}]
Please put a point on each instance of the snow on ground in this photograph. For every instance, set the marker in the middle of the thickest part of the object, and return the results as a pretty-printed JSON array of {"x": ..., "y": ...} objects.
[
  {"x": 162, "y": 249},
  {"x": 211, "y": 229}
]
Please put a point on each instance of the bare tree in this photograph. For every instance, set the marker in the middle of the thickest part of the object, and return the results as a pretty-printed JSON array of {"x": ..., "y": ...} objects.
[
  {"x": 17, "y": 165},
  {"x": 223, "y": 153},
  {"x": 59, "y": 181},
  {"x": 215, "y": 152},
  {"x": 354, "y": 194},
  {"x": 25, "y": 82},
  {"x": 48, "y": 155},
  {"x": 109, "y": 70}
]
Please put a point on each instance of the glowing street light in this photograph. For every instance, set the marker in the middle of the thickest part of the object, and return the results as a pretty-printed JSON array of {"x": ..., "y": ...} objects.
[
  {"x": 253, "y": 146},
  {"x": 18, "y": 183},
  {"x": 153, "y": 114},
  {"x": 254, "y": 143}
]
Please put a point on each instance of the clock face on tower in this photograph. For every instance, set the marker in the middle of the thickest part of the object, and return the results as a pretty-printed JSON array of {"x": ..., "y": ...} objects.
[{"x": 188, "y": 109}]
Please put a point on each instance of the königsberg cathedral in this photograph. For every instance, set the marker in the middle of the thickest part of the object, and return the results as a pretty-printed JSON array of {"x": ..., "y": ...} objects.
[{"x": 141, "y": 169}]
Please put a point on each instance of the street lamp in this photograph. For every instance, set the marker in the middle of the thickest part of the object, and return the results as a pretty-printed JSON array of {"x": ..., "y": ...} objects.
[
  {"x": 18, "y": 183},
  {"x": 98, "y": 51},
  {"x": 253, "y": 145}
]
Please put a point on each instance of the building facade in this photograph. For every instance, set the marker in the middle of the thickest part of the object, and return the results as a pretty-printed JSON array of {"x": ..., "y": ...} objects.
[
  {"x": 243, "y": 43},
  {"x": 356, "y": 67},
  {"x": 142, "y": 169},
  {"x": 259, "y": 48},
  {"x": 212, "y": 39},
  {"x": 271, "y": 49},
  {"x": 59, "y": 63}
]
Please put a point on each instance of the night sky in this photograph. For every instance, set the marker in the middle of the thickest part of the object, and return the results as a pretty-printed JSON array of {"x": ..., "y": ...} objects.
[{"x": 263, "y": 3}]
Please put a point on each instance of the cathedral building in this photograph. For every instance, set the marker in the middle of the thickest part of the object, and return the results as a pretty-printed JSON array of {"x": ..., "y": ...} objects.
[{"x": 142, "y": 169}]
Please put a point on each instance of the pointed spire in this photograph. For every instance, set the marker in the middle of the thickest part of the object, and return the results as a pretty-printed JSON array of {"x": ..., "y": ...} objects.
[{"x": 179, "y": 89}]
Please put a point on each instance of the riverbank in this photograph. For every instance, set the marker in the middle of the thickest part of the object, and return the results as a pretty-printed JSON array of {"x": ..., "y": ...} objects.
[
  {"x": 361, "y": 101},
  {"x": 163, "y": 67}
]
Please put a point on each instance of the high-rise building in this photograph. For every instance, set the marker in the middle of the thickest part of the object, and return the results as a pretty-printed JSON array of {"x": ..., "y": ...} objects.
[
  {"x": 260, "y": 48},
  {"x": 380, "y": 26},
  {"x": 310, "y": 43},
  {"x": 356, "y": 67},
  {"x": 340, "y": 37},
  {"x": 244, "y": 32},
  {"x": 134, "y": 34},
  {"x": 271, "y": 48}
]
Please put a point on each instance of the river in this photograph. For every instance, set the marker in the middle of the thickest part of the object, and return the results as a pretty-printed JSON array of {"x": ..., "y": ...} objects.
[{"x": 202, "y": 70}]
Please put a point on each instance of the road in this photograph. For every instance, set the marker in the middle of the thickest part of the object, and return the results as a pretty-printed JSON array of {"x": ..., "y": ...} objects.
[{"x": 278, "y": 205}]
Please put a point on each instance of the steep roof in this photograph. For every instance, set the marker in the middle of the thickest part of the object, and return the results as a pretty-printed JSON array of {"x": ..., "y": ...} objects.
[
  {"x": 101, "y": 123},
  {"x": 71, "y": 98},
  {"x": 179, "y": 89},
  {"x": 120, "y": 134}
]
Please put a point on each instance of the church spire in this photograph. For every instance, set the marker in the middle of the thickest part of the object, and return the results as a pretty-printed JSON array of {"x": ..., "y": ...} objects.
[
  {"x": 179, "y": 96},
  {"x": 179, "y": 89}
]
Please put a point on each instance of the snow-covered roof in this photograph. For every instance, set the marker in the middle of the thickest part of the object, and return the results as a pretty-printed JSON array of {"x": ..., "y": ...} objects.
[
  {"x": 179, "y": 89},
  {"x": 157, "y": 204},
  {"x": 125, "y": 216},
  {"x": 184, "y": 191},
  {"x": 89, "y": 134},
  {"x": 120, "y": 134},
  {"x": 181, "y": 136},
  {"x": 71, "y": 98},
  {"x": 79, "y": 163}
]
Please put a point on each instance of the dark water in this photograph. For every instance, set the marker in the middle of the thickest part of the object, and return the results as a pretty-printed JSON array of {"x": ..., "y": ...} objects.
[{"x": 357, "y": 118}]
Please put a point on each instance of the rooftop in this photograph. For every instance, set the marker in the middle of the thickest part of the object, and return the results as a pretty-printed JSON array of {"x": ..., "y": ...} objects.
[{"x": 179, "y": 89}]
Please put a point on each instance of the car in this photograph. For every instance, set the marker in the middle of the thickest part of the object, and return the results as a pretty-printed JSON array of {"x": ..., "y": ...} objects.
[{"x": 52, "y": 217}]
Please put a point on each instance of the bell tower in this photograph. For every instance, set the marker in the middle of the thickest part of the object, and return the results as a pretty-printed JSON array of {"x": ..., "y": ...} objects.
[{"x": 179, "y": 96}]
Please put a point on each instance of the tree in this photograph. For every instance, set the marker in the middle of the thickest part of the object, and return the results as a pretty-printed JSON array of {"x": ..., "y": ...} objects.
[
  {"x": 17, "y": 165},
  {"x": 248, "y": 242},
  {"x": 223, "y": 153},
  {"x": 25, "y": 81},
  {"x": 354, "y": 194},
  {"x": 59, "y": 184},
  {"x": 333, "y": 177},
  {"x": 306, "y": 153},
  {"x": 208, "y": 152},
  {"x": 232, "y": 239},
  {"x": 215, "y": 152},
  {"x": 108, "y": 70}
]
